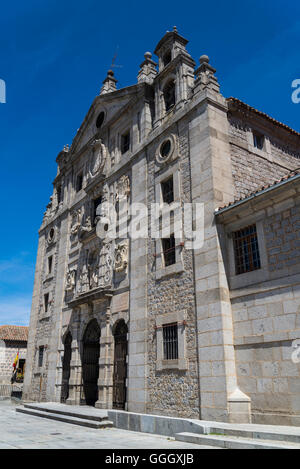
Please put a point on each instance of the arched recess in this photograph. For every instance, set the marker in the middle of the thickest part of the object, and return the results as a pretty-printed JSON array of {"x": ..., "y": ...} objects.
[
  {"x": 120, "y": 365},
  {"x": 90, "y": 362},
  {"x": 66, "y": 367},
  {"x": 169, "y": 95}
]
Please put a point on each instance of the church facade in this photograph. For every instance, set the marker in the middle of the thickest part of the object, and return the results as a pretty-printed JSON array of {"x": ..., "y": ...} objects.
[{"x": 159, "y": 324}]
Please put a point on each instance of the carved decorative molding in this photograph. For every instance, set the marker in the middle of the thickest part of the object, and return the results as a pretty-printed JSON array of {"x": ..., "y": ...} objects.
[
  {"x": 71, "y": 280},
  {"x": 98, "y": 158}
]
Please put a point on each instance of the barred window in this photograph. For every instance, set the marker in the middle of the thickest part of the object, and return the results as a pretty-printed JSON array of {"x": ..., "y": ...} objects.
[
  {"x": 167, "y": 188},
  {"x": 168, "y": 245},
  {"x": 246, "y": 250},
  {"x": 41, "y": 356},
  {"x": 170, "y": 340}
]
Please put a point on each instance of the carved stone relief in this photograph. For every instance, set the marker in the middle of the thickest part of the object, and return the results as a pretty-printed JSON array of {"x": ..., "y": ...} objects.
[
  {"x": 76, "y": 221},
  {"x": 98, "y": 158},
  {"x": 71, "y": 280},
  {"x": 121, "y": 257}
]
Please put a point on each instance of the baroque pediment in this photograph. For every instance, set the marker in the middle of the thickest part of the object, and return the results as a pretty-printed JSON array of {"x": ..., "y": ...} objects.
[{"x": 111, "y": 105}]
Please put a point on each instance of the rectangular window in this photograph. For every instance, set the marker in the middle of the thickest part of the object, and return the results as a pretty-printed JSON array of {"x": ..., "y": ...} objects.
[
  {"x": 59, "y": 194},
  {"x": 258, "y": 141},
  {"x": 125, "y": 142},
  {"x": 50, "y": 262},
  {"x": 167, "y": 189},
  {"x": 246, "y": 250},
  {"x": 41, "y": 356},
  {"x": 79, "y": 181},
  {"x": 46, "y": 302},
  {"x": 168, "y": 245},
  {"x": 170, "y": 339}
]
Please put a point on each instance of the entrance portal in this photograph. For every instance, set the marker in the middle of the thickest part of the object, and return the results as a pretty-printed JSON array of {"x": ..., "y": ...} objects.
[
  {"x": 120, "y": 366},
  {"x": 66, "y": 368},
  {"x": 90, "y": 362}
]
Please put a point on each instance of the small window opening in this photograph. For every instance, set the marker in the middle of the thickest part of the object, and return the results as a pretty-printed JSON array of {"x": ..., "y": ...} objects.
[
  {"x": 50, "y": 262},
  {"x": 167, "y": 58},
  {"x": 169, "y": 95},
  {"x": 79, "y": 182},
  {"x": 258, "y": 141},
  {"x": 169, "y": 253},
  {"x": 46, "y": 302},
  {"x": 125, "y": 142},
  {"x": 41, "y": 356}
]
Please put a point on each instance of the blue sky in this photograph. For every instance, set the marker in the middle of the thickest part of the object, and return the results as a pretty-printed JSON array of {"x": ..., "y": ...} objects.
[{"x": 54, "y": 57}]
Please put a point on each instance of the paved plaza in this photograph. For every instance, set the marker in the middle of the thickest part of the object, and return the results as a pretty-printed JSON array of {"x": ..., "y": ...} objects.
[{"x": 29, "y": 432}]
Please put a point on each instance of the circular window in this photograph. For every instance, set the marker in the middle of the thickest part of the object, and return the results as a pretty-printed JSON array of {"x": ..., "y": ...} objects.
[
  {"x": 165, "y": 148},
  {"x": 100, "y": 120},
  {"x": 51, "y": 234}
]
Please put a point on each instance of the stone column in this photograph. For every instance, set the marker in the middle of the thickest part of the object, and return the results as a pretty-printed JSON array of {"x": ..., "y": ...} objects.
[
  {"x": 212, "y": 185},
  {"x": 75, "y": 365},
  {"x": 106, "y": 364}
]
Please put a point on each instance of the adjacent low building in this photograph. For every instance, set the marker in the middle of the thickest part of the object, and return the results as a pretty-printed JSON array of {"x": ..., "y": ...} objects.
[
  {"x": 159, "y": 323},
  {"x": 13, "y": 342}
]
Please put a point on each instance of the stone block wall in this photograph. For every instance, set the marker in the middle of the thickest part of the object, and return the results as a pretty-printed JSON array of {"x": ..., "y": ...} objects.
[
  {"x": 172, "y": 392},
  {"x": 266, "y": 324},
  {"x": 254, "y": 169}
]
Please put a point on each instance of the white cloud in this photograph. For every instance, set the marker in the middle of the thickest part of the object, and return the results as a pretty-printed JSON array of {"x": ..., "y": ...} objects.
[{"x": 15, "y": 310}]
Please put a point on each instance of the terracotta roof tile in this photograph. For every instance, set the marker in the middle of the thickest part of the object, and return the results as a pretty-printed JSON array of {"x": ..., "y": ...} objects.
[
  {"x": 15, "y": 333},
  {"x": 241, "y": 104}
]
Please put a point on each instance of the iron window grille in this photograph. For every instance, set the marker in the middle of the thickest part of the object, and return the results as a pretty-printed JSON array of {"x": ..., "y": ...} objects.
[
  {"x": 41, "y": 356},
  {"x": 169, "y": 251},
  {"x": 169, "y": 95},
  {"x": 170, "y": 341},
  {"x": 246, "y": 250}
]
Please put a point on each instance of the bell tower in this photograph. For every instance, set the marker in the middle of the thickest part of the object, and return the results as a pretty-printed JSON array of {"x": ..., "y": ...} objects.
[{"x": 175, "y": 78}]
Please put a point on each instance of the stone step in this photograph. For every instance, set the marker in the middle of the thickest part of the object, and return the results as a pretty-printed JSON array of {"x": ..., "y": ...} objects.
[
  {"x": 231, "y": 442},
  {"x": 259, "y": 432},
  {"x": 81, "y": 412},
  {"x": 66, "y": 418}
]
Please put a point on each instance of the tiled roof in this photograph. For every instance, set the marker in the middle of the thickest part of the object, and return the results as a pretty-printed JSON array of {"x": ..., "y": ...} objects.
[
  {"x": 273, "y": 185},
  {"x": 245, "y": 106},
  {"x": 15, "y": 333}
]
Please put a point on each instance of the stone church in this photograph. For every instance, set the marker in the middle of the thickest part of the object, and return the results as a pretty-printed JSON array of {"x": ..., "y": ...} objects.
[{"x": 150, "y": 325}]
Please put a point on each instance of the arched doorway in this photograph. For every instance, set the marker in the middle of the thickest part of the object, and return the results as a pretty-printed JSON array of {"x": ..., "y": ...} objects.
[
  {"x": 90, "y": 362},
  {"x": 120, "y": 366},
  {"x": 66, "y": 368}
]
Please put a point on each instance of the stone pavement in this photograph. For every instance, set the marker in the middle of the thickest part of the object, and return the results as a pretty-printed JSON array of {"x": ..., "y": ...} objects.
[{"x": 26, "y": 431}]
